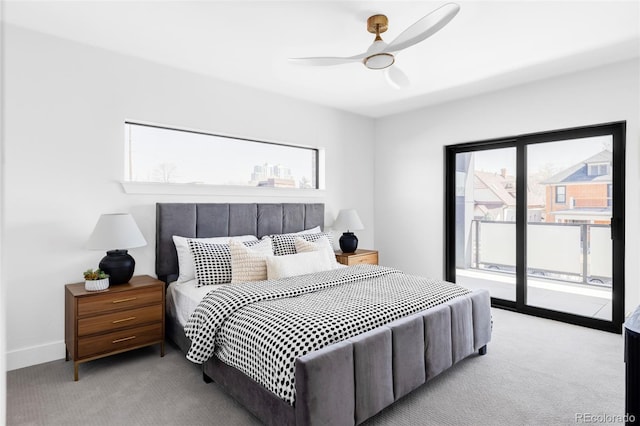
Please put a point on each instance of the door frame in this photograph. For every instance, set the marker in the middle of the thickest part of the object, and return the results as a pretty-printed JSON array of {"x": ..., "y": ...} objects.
[{"x": 618, "y": 132}]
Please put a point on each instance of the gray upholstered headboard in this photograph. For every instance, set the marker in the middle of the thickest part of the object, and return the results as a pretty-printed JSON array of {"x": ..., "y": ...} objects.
[{"x": 204, "y": 220}]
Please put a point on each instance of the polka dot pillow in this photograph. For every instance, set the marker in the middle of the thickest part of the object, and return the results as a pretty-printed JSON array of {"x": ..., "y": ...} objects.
[
  {"x": 284, "y": 244},
  {"x": 213, "y": 262}
]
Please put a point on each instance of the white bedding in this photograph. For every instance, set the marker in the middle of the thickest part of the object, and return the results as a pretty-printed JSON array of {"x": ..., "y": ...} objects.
[{"x": 183, "y": 298}]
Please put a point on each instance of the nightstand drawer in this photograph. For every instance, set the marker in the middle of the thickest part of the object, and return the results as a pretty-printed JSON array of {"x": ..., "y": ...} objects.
[
  {"x": 359, "y": 257},
  {"x": 119, "y": 340},
  {"x": 119, "y": 300},
  {"x": 371, "y": 258},
  {"x": 121, "y": 319}
]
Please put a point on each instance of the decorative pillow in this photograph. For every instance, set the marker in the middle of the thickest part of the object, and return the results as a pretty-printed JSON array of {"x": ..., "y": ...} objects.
[
  {"x": 322, "y": 244},
  {"x": 285, "y": 243},
  {"x": 186, "y": 268},
  {"x": 314, "y": 230},
  {"x": 291, "y": 265},
  {"x": 248, "y": 263},
  {"x": 213, "y": 261}
]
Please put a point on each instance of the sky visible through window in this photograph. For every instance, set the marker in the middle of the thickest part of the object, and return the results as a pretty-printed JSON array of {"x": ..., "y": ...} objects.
[
  {"x": 546, "y": 157},
  {"x": 156, "y": 154}
]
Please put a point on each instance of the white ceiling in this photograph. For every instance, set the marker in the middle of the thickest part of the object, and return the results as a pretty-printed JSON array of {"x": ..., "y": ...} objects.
[{"x": 489, "y": 45}]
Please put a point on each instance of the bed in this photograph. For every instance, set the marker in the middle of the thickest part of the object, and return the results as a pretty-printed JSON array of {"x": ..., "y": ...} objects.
[{"x": 345, "y": 382}]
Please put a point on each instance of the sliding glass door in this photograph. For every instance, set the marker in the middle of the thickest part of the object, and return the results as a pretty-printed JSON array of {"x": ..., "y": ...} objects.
[
  {"x": 569, "y": 248},
  {"x": 485, "y": 226},
  {"x": 538, "y": 221}
]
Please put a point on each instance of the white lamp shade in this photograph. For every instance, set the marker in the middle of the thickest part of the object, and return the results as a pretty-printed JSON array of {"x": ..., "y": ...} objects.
[
  {"x": 348, "y": 220},
  {"x": 116, "y": 231}
]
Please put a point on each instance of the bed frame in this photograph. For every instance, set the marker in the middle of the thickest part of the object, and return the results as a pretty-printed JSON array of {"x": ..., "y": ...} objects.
[{"x": 344, "y": 383}]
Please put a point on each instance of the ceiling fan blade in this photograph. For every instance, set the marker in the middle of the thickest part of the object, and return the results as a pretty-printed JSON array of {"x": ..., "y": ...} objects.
[
  {"x": 396, "y": 77},
  {"x": 328, "y": 60},
  {"x": 424, "y": 27}
]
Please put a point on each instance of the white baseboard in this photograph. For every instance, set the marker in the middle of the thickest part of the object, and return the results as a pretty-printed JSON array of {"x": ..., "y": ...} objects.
[{"x": 34, "y": 355}]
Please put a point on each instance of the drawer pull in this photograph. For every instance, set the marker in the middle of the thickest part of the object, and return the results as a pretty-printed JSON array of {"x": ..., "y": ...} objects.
[
  {"x": 123, "y": 320},
  {"x": 124, "y": 339},
  {"x": 128, "y": 299}
]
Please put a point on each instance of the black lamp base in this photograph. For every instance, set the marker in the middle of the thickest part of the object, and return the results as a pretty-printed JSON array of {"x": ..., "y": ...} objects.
[
  {"x": 348, "y": 242},
  {"x": 119, "y": 265}
]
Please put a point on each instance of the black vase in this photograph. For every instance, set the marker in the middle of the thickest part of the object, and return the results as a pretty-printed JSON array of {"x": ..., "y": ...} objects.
[
  {"x": 348, "y": 242},
  {"x": 119, "y": 265}
]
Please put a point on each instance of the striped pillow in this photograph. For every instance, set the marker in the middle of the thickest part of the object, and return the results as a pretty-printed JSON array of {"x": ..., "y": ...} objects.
[{"x": 249, "y": 263}]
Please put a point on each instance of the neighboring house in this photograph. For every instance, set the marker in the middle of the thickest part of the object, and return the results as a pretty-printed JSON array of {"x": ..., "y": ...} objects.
[
  {"x": 494, "y": 196},
  {"x": 581, "y": 193}
]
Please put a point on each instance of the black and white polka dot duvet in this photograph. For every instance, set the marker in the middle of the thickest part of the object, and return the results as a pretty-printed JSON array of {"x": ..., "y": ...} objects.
[{"x": 261, "y": 327}]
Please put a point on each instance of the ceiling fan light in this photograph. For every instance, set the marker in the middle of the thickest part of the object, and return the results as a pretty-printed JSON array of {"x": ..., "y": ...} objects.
[{"x": 379, "y": 61}]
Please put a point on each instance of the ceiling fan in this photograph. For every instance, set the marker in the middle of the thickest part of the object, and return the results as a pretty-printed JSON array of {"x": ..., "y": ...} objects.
[{"x": 380, "y": 55}]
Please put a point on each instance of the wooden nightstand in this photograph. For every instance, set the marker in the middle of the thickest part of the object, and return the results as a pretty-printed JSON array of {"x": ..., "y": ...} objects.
[
  {"x": 360, "y": 256},
  {"x": 118, "y": 319}
]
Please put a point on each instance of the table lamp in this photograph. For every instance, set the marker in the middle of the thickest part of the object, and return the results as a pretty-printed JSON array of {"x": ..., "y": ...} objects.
[
  {"x": 348, "y": 219},
  {"x": 116, "y": 232}
]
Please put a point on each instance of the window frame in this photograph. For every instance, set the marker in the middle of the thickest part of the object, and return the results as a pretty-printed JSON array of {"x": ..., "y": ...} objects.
[
  {"x": 558, "y": 194},
  {"x": 151, "y": 187},
  {"x": 597, "y": 169},
  {"x": 617, "y": 130}
]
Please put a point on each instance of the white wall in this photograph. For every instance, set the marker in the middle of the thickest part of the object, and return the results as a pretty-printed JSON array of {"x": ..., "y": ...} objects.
[
  {"x": 3, "y": 329},
  {"x": 409, "y": 157},
  {"x": 65, "y": 104},
  {"x": 65, "y": 108}
]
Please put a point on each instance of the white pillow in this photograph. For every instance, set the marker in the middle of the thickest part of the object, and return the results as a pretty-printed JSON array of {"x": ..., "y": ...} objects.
[
  {"x": 248, "y": 263},
  {"x": 291, "y": 265},
  {"x": 314, "y": 230},
  {"x": 186, "y": 267},
  {"x": 322, "y": 244}
]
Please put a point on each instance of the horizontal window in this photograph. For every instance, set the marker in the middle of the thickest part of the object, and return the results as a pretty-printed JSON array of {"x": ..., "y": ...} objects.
[
  {"x": 174, "y": 156},
  {"x": 598, "y": 169}
]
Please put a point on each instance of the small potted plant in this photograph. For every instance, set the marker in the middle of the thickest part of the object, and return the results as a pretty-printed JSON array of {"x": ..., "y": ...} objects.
[{"x": 95, "y": 280}]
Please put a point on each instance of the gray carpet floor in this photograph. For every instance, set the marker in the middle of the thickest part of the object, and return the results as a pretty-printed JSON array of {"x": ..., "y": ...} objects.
[{"x": 536, "y": 372}]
